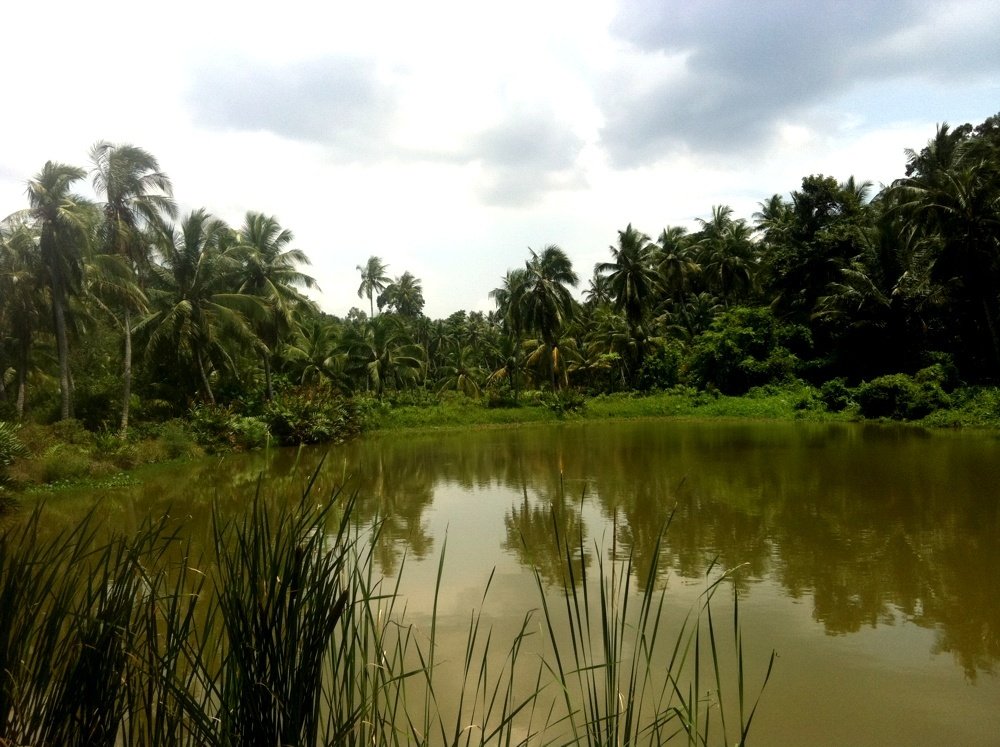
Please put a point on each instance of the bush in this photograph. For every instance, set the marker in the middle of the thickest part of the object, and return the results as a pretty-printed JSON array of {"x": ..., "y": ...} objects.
[
  {"x": 309, "y": 416},
  {"x": 743, "y": 349},
  {"x": 219, "y": 429},
  {"x": 900, "y": 396},
  {"x": 662, "y": 370},
  {"x": 565, "y": 401},
  {"x": 836, "y": 395},
  {"x": 177, "y": 442},
  {"x": 61, "y": 463},
  {"x": 11, "y": 448}
]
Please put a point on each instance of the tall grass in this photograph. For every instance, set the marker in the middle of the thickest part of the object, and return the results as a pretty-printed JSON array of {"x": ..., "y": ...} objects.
[
  {"x": 625, "y": 675},
  {"x": 284, "y": 633}
]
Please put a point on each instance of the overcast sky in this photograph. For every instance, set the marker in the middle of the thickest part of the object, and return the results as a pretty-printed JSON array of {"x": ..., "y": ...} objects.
[{"x": 448, "y": 136}]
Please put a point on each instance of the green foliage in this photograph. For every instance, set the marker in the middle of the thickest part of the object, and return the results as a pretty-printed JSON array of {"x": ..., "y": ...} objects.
[
  {"x": 220, "y": 429},
  {"x": 309, "y": 416},
  {"x": 836, "y": 395},
  {"x": 177, "y": 440},
  {"x": 564, "y": 402},
  {"x": 744, "y": 348},
  {"x": 663, "y": 369},
  {"x": 63, "y": 462},
  {"x": 900, "y": 397},
  {"x": 11, "y": 448}
]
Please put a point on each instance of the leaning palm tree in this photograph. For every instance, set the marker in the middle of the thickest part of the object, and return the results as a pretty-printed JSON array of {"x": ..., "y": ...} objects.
[
  {"x": 268, "y": 269},
  {"x": 373, "y": 280},
  {"x": 64, "y": 222},
  {"x": 137, "y": 195}
]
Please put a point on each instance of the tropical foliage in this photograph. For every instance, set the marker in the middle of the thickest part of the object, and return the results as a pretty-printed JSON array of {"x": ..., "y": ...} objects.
[{"x": 114, "y": 309}]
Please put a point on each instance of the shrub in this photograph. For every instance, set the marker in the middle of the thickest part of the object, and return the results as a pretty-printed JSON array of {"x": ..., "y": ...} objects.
[
  {"x": 309, "y": 416},
  {"x": 177, "y": 441},
  {"x": 11, "y": 448},
  {"x": 836, "y": 395},
  {"x": 743, "y": 349},
  {"x": 663, "y": 369},
  {"x": 220, "y": 429},
  {"x": 63, "y": 462},
  {"x": 565, "y": 401},
  {"x": 500, "y": 395},
  {"x": 900, "y": 396}
]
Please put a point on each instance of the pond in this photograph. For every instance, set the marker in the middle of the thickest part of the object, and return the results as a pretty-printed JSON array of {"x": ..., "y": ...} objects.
[{"x": 867, "y": 556}]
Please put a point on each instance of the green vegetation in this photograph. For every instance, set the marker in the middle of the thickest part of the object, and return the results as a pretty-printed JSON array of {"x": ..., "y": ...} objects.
[
  {"x": 125, "y": 317},
  {"x": 284, "y": 633}
]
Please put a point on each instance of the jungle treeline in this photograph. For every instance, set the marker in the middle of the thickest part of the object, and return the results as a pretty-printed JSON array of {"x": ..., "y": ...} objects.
[{"x": 121, "y": 310}]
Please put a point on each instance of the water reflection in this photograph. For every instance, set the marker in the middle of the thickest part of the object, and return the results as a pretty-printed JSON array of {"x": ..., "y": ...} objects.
[{"x": 873, "y": 526}]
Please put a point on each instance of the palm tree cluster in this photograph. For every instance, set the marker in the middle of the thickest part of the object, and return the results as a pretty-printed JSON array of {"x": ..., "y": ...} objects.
[
  {"x": 98, "y": 281},
  {"x": 176, "y": 311}
]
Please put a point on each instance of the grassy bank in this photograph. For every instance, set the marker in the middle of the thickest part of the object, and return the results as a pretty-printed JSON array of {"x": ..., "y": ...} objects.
[
  {"x": 793, "y": 402},
  {"x": 971, "y": 407},
  {"x": 67, "y": 454}
]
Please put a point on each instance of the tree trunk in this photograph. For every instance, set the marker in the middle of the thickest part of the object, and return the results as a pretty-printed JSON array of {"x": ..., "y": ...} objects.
[
  {"x": 62, "y": 346},
  {"x": 204, "y": 380},
  {"x": 268, "y": 384},
  {"x": 126, "y": 375},
  {"x": 22, "y": 379}
]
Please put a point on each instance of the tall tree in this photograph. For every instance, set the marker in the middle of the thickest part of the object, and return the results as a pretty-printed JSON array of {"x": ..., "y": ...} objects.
[
  {"x": 547, "y": 304},
  {"x": 196, "y": 313},
  {"x": 23, "y": 300},
  {"x": 726, "y": 255},
  {"x": 64, "y": 221},
  {"x": 631, "y": 274},
  {"x": 268, "y": 269},
  {"x": 509, "y": 298},
  {"x": 373, "y": 280},
  {"x": 952, "y": 200},
  {"x": 675, "y": 261},
  {"x": 404, "y": 296},
  {"x": 136, "y": 195}
]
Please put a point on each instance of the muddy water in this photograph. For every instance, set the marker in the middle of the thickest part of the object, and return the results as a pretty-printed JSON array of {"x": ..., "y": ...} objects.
[{"x": 868, "y": 557}]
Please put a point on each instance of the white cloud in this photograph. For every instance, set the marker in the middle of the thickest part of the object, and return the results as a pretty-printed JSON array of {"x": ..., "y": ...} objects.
[{"x": 447, "y": 137}]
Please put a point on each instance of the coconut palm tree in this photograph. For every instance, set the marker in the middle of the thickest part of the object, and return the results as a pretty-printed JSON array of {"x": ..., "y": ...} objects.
[
  {"x": 380, "y": 353},
  {"x": 196, "y": 313},
  {"x": 373, "y": 280},
  {"x": 726, "y": 250},
  {"x": 952, "y": 200},
  {"x": 268, "y": 269},
  {"x": 136, "y": 195},
  {"x": 675, "y": 261},
  {"x": 64, "y": 222},
  {"x": 403, "y": 296},
  {"x": 24, "y": 300},
  {"x": 631, "y": 275},
  {"x": 546, "y": 303},
  {"x": 313, "y": 353}
]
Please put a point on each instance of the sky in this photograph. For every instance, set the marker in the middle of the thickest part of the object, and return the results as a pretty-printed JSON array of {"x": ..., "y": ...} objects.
[{"x": 448, "y": 137}]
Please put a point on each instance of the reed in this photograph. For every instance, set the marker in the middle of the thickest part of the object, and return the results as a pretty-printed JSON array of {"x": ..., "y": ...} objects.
[{"x": 284, "y": 632}]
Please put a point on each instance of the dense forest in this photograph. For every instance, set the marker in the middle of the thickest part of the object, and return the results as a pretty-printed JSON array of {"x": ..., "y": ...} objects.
[{"x": 122, "y": 311}]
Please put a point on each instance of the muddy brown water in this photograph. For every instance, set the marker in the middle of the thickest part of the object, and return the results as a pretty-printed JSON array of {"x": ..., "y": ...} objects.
[{"x": 869, "y": 556}]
